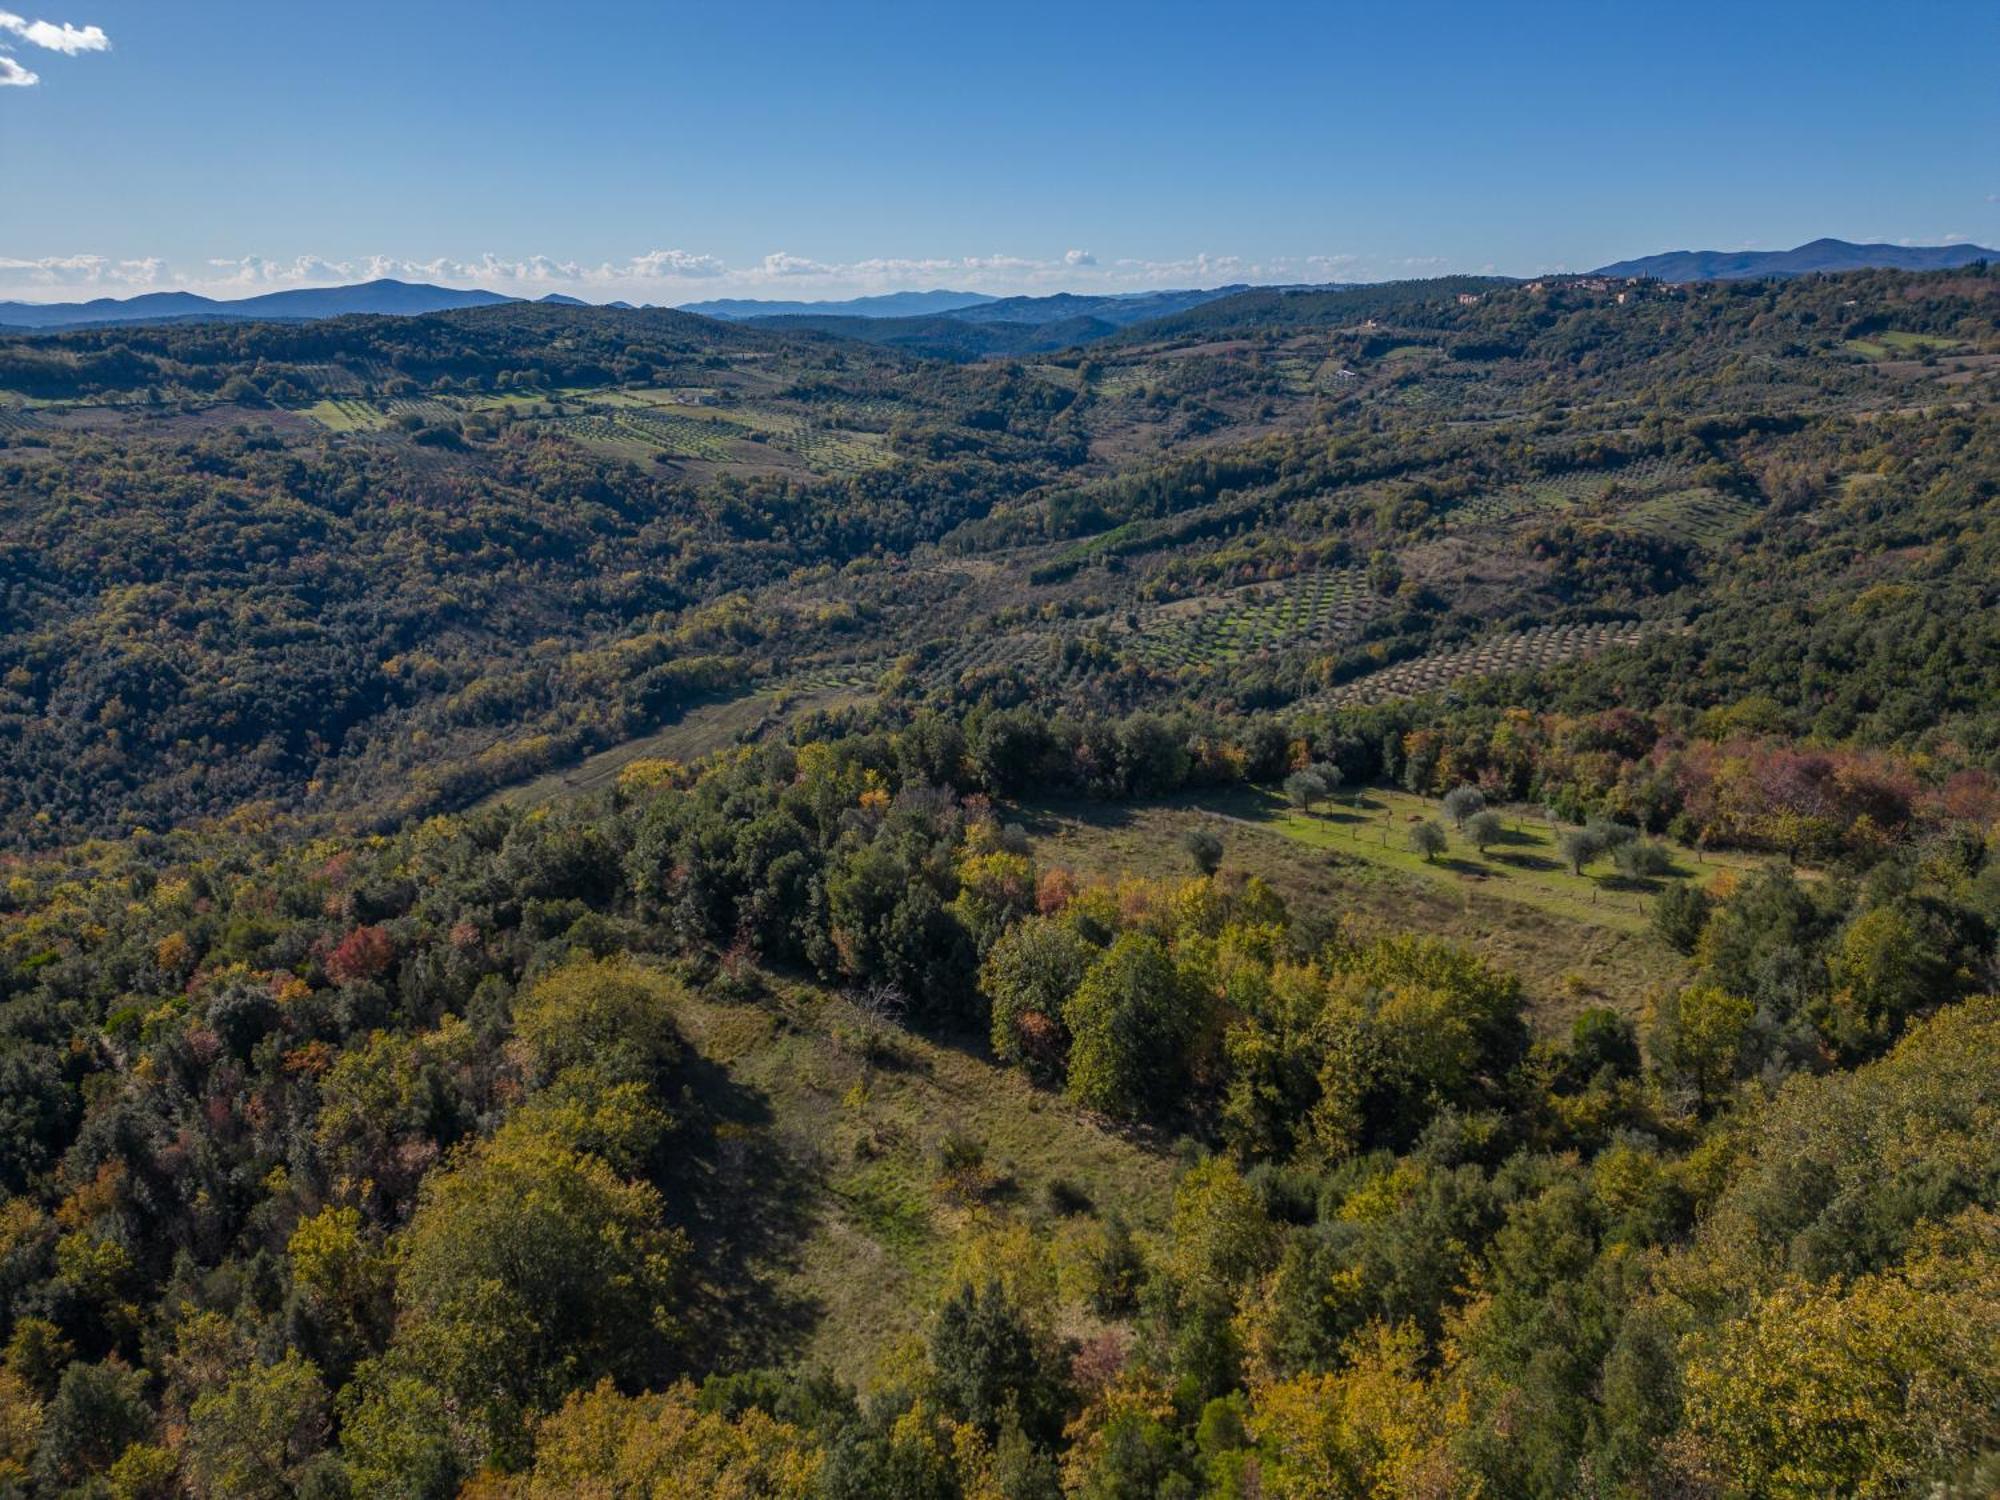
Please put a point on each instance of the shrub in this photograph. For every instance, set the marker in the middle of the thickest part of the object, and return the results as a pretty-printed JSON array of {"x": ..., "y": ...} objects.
[
  {"x": 1679, "y": 915},
  {"x": 1204, "y": 847},
  {"x": 1461, "y": 802},
  {"x": 1429, "y": 840},
  {"x": 1641, "y": 859},
  {"x": 1579, "y": 848}
]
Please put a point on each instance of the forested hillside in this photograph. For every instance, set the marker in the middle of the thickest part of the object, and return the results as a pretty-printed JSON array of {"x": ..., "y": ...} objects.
[{"x": 1379, "y": 892}]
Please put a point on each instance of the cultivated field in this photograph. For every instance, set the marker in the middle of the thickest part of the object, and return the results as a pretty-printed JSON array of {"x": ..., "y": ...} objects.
[{"x": 1528, "y": 650}]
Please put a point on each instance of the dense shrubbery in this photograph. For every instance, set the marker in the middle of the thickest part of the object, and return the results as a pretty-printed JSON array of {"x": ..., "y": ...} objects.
[{"x": 360, "y": 1165}]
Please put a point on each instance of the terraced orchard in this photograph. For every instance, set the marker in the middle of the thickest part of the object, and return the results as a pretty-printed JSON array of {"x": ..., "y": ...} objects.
[
  {"x": 1645, "y": 477},
  {"x": 822, "y": 445},
  {"x": 977, "y": 653},
  {"x": 1324, "y": 606},
  {"x": 715, "y": 436},
  {"x": 1525, "y": 651},
  {"x": 685, "y": 436},
  {"x": 1705, "y": 516}
]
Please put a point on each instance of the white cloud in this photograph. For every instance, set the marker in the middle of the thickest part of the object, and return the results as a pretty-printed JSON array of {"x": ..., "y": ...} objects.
[
  {"x": 79, "y": 270},
  {"x": 57, "y": 37},
  {"x": 255, "y": 272},
  {"x": 1078, "y": 258},
  {"x": 664, "y": 264},
  {"x": 778, "y": 263},
  {"x": 491, "y": 270},
  {"x": 14, "y": 76}
]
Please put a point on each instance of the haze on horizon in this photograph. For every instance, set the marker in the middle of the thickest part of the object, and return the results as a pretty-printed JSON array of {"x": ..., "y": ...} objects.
[{"x": 605, "y": 154}]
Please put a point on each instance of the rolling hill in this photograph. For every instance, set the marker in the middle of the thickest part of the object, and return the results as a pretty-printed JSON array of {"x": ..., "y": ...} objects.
[
  {"x": 1423, "y": 851},
  {"x": 1120, "y": 310},
  {"x": 1821, "y": 255},
  {"x": 947, "y": 337}
]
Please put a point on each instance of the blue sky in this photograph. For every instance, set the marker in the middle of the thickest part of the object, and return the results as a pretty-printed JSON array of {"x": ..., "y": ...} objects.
[{"x": 669, "y": 153}]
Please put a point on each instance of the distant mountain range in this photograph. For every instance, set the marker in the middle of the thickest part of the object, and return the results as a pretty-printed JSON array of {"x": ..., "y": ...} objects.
[
  {"x": 956, "y": 324},
  {"x": 888, "y": 305},
  {"x": 402, "y": 298},
  {"x": 1119, "y": 309},
  {"x": 1005, "y": 325},
  {"x": 1805, "y": 260}
]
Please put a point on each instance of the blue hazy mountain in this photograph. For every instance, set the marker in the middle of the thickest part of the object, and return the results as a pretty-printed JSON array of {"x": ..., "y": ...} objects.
[
  {"x": 887, "y": 305},
  {"x": 1804, "y": 260},
  {"x": 398, "y": 298},
  {"x": 1120, "y": 310}
]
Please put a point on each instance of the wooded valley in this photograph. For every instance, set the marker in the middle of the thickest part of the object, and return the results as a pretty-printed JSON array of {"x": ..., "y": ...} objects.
[{"x": 1387, "y": 891}]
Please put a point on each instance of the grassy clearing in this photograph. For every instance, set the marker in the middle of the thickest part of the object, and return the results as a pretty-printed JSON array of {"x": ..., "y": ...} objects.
[
  {"x": 1115, "y": 382},
  {"x": 701, "y": 730},
  {"x": 1524, "y": 866},
  {"x": 845, "y": 1134},
  {"x": 1889, "y": 345},
  {"x": 1518, "y": 906},
  {"x": 346, "y": 415}
]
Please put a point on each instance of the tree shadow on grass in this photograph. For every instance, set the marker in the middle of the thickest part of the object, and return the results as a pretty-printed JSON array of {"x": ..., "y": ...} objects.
[
  {"x": 1634, "y": 885},
  {"x": 1343, "y": 816},
  {"x": 1458, "y": 865},
  {"x": 748, "y": 1200},
  {"x": 1517, "y": 861},
  {"x": 1041, "y": 819}
]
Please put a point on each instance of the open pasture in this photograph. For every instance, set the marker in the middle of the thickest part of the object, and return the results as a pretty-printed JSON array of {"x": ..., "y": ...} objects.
[
  {"x": 1574, "y": 941},
  {"x": 346, "y": 414},
  {"x": 1897, "y": 344}
]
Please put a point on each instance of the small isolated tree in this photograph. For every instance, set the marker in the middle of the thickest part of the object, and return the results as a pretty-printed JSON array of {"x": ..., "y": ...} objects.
[
  {"x": 1641, "y": 859},
  {"x": 1429, "y": 840},
  {"x": 1304, "y": 788},
  {"x": 1484, "y": 828},
  {"x": 1330, "y": 775},
  {"x": 1461, "y": 802},
  {"x": 1579, "y": 847},
  {"x": 1611, "y": 836},
  {"x": 1204, "y": 847}
]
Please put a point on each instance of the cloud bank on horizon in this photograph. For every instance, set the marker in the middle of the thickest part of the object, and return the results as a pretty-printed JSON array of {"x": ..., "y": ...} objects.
[
  {"x": 674, "y": 276},
  {"x": 54, "y": 36}
]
